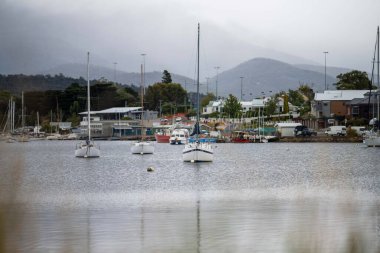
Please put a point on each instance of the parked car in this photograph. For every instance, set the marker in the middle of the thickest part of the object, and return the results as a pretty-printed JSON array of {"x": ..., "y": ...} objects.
[
  {"x": 360, "y": 130},
  {"x": 336, "y": 131},
  {"x": 303, "y": 131}
]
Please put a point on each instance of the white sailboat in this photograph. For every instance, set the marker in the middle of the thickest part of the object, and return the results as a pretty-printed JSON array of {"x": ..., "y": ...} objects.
[
  {"x": 142, "y": 147},
  {"x": 372, "y": 139},
  {"x": 88, "y": 149},
  {"x": 197, "y": 151}
]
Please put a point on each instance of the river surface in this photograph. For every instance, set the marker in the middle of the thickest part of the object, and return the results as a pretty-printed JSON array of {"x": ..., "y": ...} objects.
[{"x": 273, "y": 197}]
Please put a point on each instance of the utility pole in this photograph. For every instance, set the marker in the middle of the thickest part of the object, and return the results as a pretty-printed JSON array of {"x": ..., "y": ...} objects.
[
  {"x": 207, "y": 79},
  {"x": 114, "y": 72},
  {"x": 241, "y": 88},
  {"x": 216, "y": 81},
  {"x": 325, "y": 69}
]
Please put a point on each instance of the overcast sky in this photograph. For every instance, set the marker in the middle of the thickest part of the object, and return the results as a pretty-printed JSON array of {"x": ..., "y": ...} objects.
[{"x": 37, "y": 34}]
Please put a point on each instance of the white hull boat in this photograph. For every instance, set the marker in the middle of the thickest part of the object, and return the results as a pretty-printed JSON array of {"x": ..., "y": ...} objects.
[
  {"x": 142, "y": 147},
  {"x": 179, "y": 136},
  {"x": 85, "y": 150},
  {"x": 372, "y": 141},
  {"x": 88, "y": 149},
  {"x": 198, "y": 152}
]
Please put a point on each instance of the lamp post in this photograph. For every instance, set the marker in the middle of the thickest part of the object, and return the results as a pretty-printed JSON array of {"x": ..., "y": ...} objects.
[
  {"x": 143, "y": 79},
  {"x": 241, "y": 88},
  {"x": 325, "y": 68},
  {"x": 114, "y": 72},
  {"x": 207, "y": 79},
  {"x": 216, "y": 81}
]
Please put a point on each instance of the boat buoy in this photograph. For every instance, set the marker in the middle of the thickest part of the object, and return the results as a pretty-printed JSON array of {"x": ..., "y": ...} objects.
[{"x": 150, "y": 169}]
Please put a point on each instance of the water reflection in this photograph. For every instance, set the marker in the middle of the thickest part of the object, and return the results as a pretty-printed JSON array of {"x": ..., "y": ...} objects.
[{"x": 254, "y": 198}]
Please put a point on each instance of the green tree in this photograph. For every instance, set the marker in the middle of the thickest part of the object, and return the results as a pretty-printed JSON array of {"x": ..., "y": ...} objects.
[
  {"x": 128, "y": 95},
  {"x": 166, "y": 77},
  {"x": 232, "y": 107},
  {"x": 270, "y": 106},
  {"x": 206, "y": 99},
  {"x": 295, "y": 98},
  {"x": 172, "y": 93},
  {"x": 354, "y": 80},
  {"x": 286, "y": 103},
  {"x": 306, "y": 91}
]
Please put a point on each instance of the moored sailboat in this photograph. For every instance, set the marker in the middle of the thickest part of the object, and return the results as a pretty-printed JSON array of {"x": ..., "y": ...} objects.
[
  {"x": 142, "y": 147},
  {"x": 197, "y": 151},
  {"x": 372, "y": 139},
  {"x": 88, "y": 149}
]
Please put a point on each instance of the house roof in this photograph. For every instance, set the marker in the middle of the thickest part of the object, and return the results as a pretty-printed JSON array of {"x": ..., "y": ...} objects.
[
  {"x": 339, "y": 95},
  {"x": 361, "y": 101},
  {"x": 114, "y": 110},
  {"x": 287, "y": 124}
]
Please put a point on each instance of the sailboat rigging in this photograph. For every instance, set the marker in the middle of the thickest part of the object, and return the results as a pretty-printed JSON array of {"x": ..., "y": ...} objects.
[
  {"x": 88, "y": 149},
  {"x": 373, "y": 138},
  {"x": 142, "y": 147},
  {"x": 198, "y": 151}
]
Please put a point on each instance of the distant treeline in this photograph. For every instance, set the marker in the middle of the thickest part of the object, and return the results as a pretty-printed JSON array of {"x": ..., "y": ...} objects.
[
  {"x": 64, "y": 105},
  {"x": 17, "y": 83}
]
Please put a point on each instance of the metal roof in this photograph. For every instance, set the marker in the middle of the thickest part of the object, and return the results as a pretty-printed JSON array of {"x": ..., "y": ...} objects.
[
  {"x": 287, "y": 124},
  {"x": 338, "y": 95},
  {"x": 114, "y": 110}
]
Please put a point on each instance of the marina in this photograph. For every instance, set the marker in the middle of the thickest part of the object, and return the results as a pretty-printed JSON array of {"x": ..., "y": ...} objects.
[{"x": 277, "y": 197}]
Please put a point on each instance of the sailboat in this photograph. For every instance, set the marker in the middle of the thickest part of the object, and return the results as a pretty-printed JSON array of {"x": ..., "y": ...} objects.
[
  {"x": 197, "y": 151},
  {"x": 373, "y": 138},
  {"x": 9, "y": 125},
  {"x": 24, "y": 137},
  {"x": 142, "y": 147},
  {"x": 88, "y": 149}
]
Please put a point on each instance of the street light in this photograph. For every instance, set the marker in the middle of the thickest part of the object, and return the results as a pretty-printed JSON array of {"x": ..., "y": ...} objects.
[
  {"x": 143, "y": 79},
  {"x": 325, "y": 68},
  {"x": 241, "y": 88},
  {"x": 207, "y": 79},
  {"x": 216, "y": 81},
  {"x": 114, "y": 73}
]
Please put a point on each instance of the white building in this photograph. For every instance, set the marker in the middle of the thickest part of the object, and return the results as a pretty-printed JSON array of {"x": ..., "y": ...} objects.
[
  {"x": 286, "y": 129},
  {"x": 217, "y": 106}
]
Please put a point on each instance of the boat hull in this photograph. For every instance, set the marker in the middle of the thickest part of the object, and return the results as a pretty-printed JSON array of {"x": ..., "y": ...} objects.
[
  {"x": 142, "y": 148},
  {"x": 162, "y": 138},
  {"x": 87, "y": 151},
  {"x": 198, "y": 152},
  {"x": 372, "y": 141},
  {"x": 177, "y": 141}
]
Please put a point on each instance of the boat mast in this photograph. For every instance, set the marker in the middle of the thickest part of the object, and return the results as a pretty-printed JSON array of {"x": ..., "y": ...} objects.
[
  {"x": 142, "y": 102},
  {"x": 198, "y": 104},
  {"x": 88, "y": 97},
  {"x": 22, "y": 112},
  {"x": 378, "y": 82}
]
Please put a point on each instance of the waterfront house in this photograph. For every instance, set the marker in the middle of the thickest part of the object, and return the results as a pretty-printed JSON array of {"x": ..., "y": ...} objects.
[
  {"x": 330, "y": 107},
  {"x": 364, "y": 107}
]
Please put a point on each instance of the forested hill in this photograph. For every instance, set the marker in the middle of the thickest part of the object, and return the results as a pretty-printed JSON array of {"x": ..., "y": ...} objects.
[{"x": 17, "y": 83}]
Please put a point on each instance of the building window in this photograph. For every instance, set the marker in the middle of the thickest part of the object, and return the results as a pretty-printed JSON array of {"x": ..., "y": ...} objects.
[{"x": 355, "y": 110}]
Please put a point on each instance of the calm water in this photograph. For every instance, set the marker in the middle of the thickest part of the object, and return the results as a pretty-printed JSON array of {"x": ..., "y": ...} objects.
[{"x": 275, "y": 197}]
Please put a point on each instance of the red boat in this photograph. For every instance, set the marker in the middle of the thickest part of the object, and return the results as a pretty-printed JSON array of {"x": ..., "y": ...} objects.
[
  {"x": 162, "y": 137},
  {"x": 240, "y": 137}
]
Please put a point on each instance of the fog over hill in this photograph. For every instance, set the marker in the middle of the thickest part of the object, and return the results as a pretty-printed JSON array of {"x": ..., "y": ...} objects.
[
  {"x": 265, "y": 75},
  {"x": 260, "y": 75},
  {"x": 97, "y": 72},
  {"x": 331, "y": 71}
]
